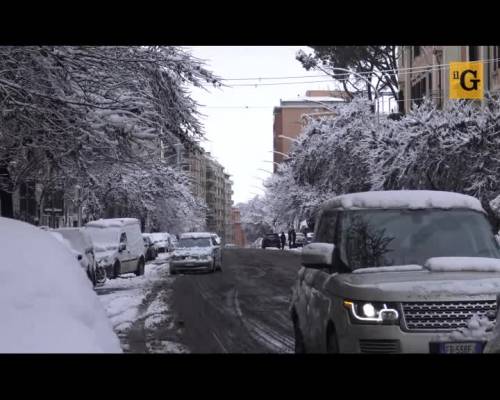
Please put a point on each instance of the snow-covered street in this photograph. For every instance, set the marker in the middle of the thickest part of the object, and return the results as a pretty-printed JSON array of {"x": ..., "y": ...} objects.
[{"x": 138, "y": 307}]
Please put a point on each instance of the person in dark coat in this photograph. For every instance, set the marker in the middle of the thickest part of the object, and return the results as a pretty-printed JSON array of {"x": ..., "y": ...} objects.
[
  {"x": 283, "y": 240},
  {"x": 292, "y": 236}
]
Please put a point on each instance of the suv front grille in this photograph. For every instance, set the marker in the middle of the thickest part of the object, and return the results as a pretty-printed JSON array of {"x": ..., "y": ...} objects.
[
  {"x": 379, "y": 346},
  {"x": 445, "y": 315}
]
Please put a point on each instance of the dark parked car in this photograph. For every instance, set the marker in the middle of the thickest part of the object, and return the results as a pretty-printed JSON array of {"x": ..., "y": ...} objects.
[
  {"x": 150, "y": 252},
  {"x": 271, "y": 240}
]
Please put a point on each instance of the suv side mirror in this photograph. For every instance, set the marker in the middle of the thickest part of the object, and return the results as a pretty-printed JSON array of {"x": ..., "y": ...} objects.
[
  {"x": 318, "y": 255},
  {"x": 122, "y": 247}
]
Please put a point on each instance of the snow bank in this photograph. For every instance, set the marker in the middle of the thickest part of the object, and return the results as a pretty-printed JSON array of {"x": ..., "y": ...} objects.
[
  {"x": 47, "y": 303},
  {"x": 458, "y": 264},
  {"x": 407, "y": 199},
  {"x": 394, "y": 268},
  {"x": 127, "y": 294}
]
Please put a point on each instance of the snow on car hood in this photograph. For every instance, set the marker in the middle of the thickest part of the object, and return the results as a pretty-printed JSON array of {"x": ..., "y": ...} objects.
[
  {"x": 101, "y": 255},
  {"x": 411, "y": 285},
  {"x": 477, "y": 264},
  {"x": 193, "y": 251}
]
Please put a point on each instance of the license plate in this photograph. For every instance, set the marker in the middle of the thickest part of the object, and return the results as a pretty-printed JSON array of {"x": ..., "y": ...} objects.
[{"x": 460, "y": 348}]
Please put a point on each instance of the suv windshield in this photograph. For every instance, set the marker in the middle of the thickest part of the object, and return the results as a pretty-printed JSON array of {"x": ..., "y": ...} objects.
[
  {"x": 194, "y": 242},
  {"x": 373, "y": 238}
]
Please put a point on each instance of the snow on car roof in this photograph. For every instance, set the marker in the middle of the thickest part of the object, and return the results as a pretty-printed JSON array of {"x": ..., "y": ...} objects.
[
  {"x": 47, "y": 304},
  {"x": 408, "y": 199},
  {"x": 112, "y": 222},
  {"x": 196, "y": 235}
]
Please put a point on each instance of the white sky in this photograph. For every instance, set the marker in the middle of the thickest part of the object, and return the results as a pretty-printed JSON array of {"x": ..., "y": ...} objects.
[{"x": 242, "y": 139}]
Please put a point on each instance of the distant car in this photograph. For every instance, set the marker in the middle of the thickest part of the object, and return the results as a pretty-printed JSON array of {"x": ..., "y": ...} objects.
[
  {"x": 310, "y": 237},
  {"x": 271, "y": 240},
  {"x": 47, "y": 304},
  {"x": 162, "y": 242},
  {"x": 86, "y": 263},
  {"x": 230, "y": 246},
  {"x": 81, "y": 242},
  {"x": 118, "y": 245},
  {"x": 196, "y": 251},
  {"x": 300, "y": 240},
  {"x": 150, "y": 252}
]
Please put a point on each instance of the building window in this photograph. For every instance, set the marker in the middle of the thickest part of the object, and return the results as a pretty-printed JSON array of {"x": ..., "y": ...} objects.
[
  {"x": 473, "y": 53},
  {"x": 416, "y": 51},
  {"x": 419, "y": 91}
]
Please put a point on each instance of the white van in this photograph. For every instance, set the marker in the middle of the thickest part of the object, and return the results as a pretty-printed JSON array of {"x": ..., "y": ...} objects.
[{"x": 118, "y": 244}]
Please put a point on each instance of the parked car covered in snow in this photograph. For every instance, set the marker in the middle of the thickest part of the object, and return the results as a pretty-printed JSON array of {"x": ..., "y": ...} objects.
[
  {"x": 118, "y": 245},
  {"x": 47, "y": 304},
  {"x": 162, "y": 242},
  {"x": 150, "y": 251},
  {"x": 300, "y": 239},
  {"x": 196, "y": 251},
  {"x": 397, "y": 271},
  {"x": 82, "y": 243},
  {"x": 84, "y": 262},
  {"x": 310, "y": 237}
]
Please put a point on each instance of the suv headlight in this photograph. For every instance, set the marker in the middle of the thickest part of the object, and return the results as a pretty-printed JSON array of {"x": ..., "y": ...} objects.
[{"x": 372, "y": 312}]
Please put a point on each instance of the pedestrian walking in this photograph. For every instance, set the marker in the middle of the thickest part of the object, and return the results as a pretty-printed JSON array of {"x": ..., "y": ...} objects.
[
  {"x": 283, "y": 240},
  {"x": 292, "y": 236}
]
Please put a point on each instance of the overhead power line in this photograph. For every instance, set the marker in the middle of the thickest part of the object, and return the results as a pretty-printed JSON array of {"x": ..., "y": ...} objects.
[{"x": 393, "y": 71}]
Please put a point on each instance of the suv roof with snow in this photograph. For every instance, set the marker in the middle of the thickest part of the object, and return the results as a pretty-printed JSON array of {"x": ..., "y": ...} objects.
[{"x": 404, "y": 199}]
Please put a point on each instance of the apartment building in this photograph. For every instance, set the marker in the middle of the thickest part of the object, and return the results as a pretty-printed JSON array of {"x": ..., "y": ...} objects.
[
  {"x": 288, "y": 120},
  {"x": 228, "y": 205},
  {"x": 424, "y": 71},
  {"x": 194, "y": 163}
]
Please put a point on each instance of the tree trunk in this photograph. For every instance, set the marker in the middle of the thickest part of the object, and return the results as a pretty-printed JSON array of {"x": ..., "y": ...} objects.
[{"x": 6, "y": 203}]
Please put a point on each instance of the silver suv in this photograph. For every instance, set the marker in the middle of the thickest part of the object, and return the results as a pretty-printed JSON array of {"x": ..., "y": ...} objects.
[{"x": 396, "y": 271}]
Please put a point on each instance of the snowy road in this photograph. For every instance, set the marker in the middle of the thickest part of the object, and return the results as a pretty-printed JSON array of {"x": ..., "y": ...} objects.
[
  {"x": 244, "y": 308},
  {"x": 138, "y": 308}
]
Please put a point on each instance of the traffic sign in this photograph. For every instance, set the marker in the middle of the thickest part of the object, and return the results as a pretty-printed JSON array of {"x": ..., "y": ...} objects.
[{"x": 466, "y": 80}]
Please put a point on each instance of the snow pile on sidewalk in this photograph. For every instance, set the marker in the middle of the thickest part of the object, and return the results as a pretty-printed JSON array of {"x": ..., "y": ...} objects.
[
  {"x": 127, "y": 294},
  {"x": 47, "y": 303}
]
